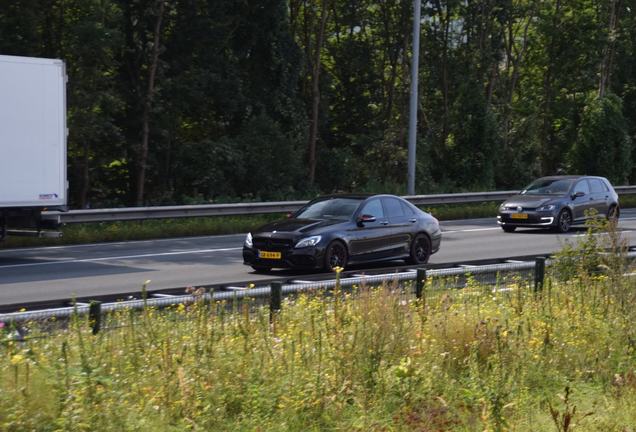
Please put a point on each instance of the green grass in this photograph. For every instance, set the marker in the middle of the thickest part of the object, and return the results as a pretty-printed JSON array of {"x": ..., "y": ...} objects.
[
  {"x": 628, "y": 201},
  {"x": 463, "y": 211},
  {"x": 143, "y": 230},
  {"x": 184, "y": 227},
  {"x": 469, "y": 360},
  {"x": 167, "y": 228},
  {"x": 476, "y": 359}
]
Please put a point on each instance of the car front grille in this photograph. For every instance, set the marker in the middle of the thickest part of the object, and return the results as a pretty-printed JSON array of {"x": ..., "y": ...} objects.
[
  {"x": 519, "y": 209},
  {"x": 532, "y": 219},
  {"x": 273, "y": 244}
]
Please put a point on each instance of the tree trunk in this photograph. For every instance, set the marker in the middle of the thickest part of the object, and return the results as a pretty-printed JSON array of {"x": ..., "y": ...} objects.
[
  {"x": 608, "y": 50},
  {"x": 547, "y": 135},
  {"x": 85, "y": 176},
  {"x": 315, "y": 92},
  {"x": 143, "y": 150},
  {"x": 445, "y": 27}
]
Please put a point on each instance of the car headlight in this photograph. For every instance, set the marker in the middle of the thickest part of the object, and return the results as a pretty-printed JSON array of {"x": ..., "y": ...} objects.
[
  {"x": 548, "y": 207},
  {"x": 309, "y": 241},
  {"x": 248, "y": 240}
]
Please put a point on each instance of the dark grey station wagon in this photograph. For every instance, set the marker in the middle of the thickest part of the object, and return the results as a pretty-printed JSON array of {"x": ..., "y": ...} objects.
[{"x": 559, "y": 202}]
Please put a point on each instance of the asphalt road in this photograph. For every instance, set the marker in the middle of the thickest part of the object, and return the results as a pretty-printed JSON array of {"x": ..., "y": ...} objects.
[{"x": 49, "y": 273}]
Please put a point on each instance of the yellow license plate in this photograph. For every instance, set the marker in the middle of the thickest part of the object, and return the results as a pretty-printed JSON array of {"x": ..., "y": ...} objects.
[
  {"x": 519, "y": 216},
  {"x": 269, "y": 255}
]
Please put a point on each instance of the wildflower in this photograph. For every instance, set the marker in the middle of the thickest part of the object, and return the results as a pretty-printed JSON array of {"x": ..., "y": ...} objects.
[
  {"x": 251, "y": 285},
  {"x": 338, "y": 269},
  {"x": 1, "y": 324},
  {"x": 17, "y": 359}
]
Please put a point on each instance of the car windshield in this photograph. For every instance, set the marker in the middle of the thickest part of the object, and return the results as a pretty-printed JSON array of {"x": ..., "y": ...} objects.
[
  {"x": 548, "y": 187},
  {"x": 332, "y": 208}
]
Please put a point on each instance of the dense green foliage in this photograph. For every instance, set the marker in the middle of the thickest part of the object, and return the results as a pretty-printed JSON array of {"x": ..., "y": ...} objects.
[
  {"x": 476, "y": 359},
  {"x": 182, "y": 101}
]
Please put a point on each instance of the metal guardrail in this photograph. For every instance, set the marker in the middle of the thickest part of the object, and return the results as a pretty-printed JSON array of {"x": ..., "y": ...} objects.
[
  {"x": 275, "y": 290},
  {"x": 262, "y": 292},
  {"x": 169, "y": 212}
]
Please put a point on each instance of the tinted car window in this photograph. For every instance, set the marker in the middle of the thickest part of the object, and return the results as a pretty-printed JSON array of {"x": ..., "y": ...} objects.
[
  {"x": 335, "y": 208},
  {"x": 597, "y": 186},
  {"x": 373, "y": 208},
  {"x": 393, "y": 207},
  {"x": 548, "y": 187},
  {"x": 582, "y": 187},
  {"x": 606, "y": 186},
  {"x": 408, "y": 211}
]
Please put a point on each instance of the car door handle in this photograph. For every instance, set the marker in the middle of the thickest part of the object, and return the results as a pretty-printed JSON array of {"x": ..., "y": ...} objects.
[
  {"x": 384, "y": 222},
  {"x": 413, "y": 220}
]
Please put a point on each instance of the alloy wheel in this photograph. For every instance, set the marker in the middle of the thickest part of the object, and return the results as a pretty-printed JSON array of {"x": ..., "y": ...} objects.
[
  {"x": 564, "y": 221},
  {"x": 420, "y": 249},
  {"x": 336, "y": 256}
]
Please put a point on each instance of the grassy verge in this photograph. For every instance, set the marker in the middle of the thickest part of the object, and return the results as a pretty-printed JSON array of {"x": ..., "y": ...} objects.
[
  {"x": 470, "y": 360},
  {"x": 143, "y": 230},
  {"x": 155, "y": 229}
]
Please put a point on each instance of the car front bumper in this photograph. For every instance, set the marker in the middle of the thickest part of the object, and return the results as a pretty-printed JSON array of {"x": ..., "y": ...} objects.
[
  {"x": 436, "y": 241},
  {"x": 304, "y": 258},
  {"x": 533, "y": 219}
]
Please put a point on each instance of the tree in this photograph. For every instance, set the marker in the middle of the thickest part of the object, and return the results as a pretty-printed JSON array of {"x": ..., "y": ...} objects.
[
  {"x": 309, "y": 23},
  {"x": 603, "y": 146},
  {"x": 142, "y": 29}
]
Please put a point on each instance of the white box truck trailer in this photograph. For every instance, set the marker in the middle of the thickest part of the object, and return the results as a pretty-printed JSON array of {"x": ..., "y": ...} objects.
[{"x": 33, "y": 136}]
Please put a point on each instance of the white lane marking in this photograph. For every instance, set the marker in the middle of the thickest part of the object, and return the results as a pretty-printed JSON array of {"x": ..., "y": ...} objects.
[
  {"x": 496, "y": 228},
  {"x": 470, "y": 230},
  {"x": 623, "y": 230},
  {"x": 106, "y": 244},
  {"x": 186, "y": 252},
  {"x": 114, "y": 258}
]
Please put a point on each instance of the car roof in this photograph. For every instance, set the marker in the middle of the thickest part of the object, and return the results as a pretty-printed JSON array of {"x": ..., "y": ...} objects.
[
  {"x": 343, "y": 195},
  {"x": 571, "y": 177},
  {"x": 360, "y": 196},
  {"x": 562, "y": 177}
]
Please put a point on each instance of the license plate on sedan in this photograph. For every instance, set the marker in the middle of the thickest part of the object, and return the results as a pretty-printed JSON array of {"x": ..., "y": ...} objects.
[
  {"x": 269, "y": 255},
  {"x": 519, "y": 216}
]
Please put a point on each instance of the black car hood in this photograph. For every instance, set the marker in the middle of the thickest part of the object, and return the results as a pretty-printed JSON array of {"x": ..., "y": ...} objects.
[
  {"x": 295, "y": 226},
  {"x": 530, "y": 201}
]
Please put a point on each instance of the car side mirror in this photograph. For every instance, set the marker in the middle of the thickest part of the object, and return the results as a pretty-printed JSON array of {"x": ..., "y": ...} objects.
[
  {"x": 365, "y": 218},
  {"x": 578, "y": 194}
]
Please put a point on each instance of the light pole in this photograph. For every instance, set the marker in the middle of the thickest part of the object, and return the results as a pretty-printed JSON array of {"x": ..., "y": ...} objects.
[{"x": 415, "y": 62}]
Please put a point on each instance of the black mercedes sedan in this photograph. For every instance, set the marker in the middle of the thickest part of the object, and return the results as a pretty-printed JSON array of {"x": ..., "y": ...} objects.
[
  {"x": 559, "y": 202},
  {"x": 338, "y": 230}
]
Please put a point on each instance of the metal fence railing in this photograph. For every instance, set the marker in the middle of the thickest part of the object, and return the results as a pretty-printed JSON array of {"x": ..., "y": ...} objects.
[
  {"x": 410, "y": 284},
  {"x": 412, "y": 281},
  {"x": 166, "y": 212}
]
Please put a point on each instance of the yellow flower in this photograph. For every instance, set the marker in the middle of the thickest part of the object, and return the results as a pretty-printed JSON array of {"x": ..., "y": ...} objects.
[{"x": 17, "y": 359}]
